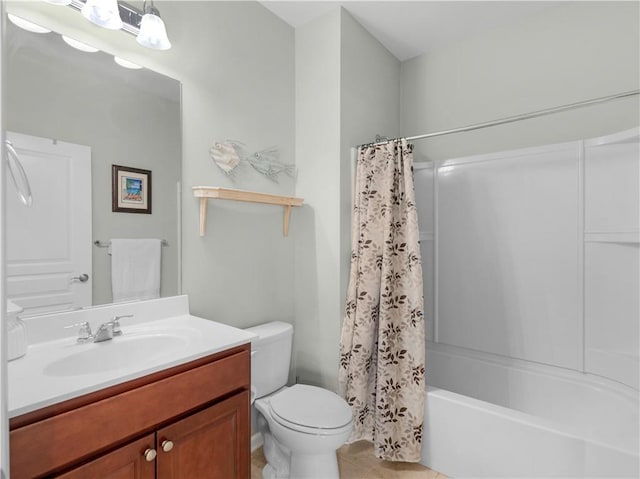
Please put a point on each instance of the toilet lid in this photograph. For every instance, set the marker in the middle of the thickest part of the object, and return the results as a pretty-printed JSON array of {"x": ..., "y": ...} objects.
[{"x": 311, "y": 406}]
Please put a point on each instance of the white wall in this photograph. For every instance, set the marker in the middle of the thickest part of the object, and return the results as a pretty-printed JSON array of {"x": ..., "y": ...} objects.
[
  {"x": 578, "y": 51},
  {"x": 61, "y": 97},
  {"x": 346, "y": 92}
]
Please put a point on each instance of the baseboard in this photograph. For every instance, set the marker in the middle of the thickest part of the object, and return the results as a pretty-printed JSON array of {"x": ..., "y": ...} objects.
[{"x": 256, "y": 441}]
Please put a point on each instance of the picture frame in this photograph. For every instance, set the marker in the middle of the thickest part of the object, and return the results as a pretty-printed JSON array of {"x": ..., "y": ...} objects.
[{"x": 130, "y": 190}]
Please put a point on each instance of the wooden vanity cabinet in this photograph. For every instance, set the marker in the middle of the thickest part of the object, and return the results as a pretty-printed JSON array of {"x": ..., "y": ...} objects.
[
  {"x": 189, "y": 422},
  {"x": 126, "y": 462},
  {"x": 205, "y": 444}
]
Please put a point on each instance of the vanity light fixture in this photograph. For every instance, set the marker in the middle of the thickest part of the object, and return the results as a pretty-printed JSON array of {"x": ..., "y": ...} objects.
[
  {"x": 78, "y": 45},
  {"x": 153, "y": 33},
  {"x": 26, "y": 24},
  {"x": 146, "y": 24},
  {"x": 126, "y": 63}
]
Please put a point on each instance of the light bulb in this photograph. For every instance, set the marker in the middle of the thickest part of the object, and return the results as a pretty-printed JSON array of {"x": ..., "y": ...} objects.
[
  {"x": 153, "y": 33},
  {"x": 104, "y": 13}
]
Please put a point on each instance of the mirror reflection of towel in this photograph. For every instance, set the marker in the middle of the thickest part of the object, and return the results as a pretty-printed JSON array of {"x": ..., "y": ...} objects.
[{"x": 135, "y": 269}]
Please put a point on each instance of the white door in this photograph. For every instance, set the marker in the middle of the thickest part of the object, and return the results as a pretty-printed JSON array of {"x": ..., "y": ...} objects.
[{"x": 49, "y": 243}]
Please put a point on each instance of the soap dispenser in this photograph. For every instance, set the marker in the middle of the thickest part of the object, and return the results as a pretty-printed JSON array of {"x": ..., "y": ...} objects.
[{"x": 16, "y": 332}]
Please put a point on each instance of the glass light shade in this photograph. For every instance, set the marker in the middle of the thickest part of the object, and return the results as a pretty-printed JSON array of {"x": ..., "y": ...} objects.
[
  {"x": 153, "y": 33},
  {"x": 26, "y": 24},
  {"x": 104, "y": 13},
  {"x": 59, "y": 2}
]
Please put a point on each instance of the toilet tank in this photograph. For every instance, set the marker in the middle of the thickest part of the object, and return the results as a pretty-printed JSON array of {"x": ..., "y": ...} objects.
[{"x": 270, "y": 356}]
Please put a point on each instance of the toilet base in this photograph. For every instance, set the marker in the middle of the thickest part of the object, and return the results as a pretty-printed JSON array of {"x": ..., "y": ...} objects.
[
  {"x": 319, "y": 466},
  {"x": 314, "y": 466},
  {"x": 282, "y": 463}
]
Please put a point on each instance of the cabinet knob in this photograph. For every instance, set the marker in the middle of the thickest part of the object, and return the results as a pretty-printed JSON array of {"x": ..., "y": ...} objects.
[
  {"x": 167, "y": 445},
  {"x": 150, "y": 455}
]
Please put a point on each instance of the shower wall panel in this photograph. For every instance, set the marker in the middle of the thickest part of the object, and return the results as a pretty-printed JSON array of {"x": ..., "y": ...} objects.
[
  {"x": 509, "y": 254},
  {"x": 612, "y": 259},
  {"x": 423, "y": 180},
  {"x": 534, "y": 254}
]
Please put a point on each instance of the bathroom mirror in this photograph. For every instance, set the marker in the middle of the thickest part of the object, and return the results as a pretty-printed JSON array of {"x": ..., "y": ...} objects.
[{"x": 56, "y": 94}]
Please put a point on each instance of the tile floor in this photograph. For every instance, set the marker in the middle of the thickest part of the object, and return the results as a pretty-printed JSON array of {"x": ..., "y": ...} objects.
[{"x": 357, "y": 461}]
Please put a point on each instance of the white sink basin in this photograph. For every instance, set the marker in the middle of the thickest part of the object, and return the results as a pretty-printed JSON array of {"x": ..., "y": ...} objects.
[
  {"x": 60, "y": 369},
  {"x": 115, "y": 354}
]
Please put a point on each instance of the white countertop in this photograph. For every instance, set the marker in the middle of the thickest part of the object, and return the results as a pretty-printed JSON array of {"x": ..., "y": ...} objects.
[{"x": 60, "y": 369}]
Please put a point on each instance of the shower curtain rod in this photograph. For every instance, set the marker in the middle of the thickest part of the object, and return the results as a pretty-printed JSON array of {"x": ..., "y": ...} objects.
[{"x": 512, "y": 119}]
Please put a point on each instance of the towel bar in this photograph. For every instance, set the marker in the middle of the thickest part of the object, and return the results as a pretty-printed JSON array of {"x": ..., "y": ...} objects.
[{"x": 106, "y": 244}]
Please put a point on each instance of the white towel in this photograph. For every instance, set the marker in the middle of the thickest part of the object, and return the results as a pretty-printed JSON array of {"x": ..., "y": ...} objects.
[{"x": 135, "y": 269}]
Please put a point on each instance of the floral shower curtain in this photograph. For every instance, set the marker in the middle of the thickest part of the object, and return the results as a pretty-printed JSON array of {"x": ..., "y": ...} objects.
[{"x": 382, "y": 346}]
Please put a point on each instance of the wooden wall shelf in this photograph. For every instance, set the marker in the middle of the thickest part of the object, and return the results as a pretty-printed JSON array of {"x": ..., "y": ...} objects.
[{"x": 206, "y": 193}]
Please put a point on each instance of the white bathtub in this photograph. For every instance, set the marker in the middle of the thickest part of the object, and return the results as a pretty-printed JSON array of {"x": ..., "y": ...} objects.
[{"x": 489, "y": 416}]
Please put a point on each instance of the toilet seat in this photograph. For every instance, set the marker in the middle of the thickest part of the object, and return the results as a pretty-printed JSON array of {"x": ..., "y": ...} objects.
[{"x": 311, "y": 410}]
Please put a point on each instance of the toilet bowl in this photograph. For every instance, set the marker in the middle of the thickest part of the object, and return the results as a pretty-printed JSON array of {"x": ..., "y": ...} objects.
[
  {"x": 307, "y": 425},
  {"x": 302, "y": 426}
]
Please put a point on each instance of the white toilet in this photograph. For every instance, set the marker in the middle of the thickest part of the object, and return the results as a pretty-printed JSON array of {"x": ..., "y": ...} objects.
[{"x": 302, "y": 426}]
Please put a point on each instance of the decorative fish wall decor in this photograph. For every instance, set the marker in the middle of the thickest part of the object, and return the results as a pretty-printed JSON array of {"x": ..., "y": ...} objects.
[
  {"x": 228, "y": 155},
  {"x": 224, "y": 155}
]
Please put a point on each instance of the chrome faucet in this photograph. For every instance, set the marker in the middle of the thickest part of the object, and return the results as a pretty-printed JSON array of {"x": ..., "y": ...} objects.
[
  {"x": 105, "y": 331},
  {"x": 84, "y": 333},
  {"x": 116, "y": 323}
]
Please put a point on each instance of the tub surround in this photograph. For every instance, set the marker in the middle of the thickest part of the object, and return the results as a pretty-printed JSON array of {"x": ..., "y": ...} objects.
[{"x": 545, "y": 355}]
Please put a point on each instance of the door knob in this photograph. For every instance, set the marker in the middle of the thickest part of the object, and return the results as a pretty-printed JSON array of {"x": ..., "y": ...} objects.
[
  {"x": 150, "y": 455},
  {"x": 167, "y": 446},
  {"x": 83, "y": 278}
]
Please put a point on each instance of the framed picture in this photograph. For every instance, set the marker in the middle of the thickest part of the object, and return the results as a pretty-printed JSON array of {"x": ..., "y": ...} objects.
[{"x": 130, "y": 190}]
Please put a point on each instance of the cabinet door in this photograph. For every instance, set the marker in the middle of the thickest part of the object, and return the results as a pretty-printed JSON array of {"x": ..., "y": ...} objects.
[
  {"x": 211, "y": 444},
  {"x": 127, "y": 462}
]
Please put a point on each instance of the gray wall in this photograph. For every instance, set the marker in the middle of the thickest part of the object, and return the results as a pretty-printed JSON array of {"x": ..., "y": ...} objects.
[
  {"x": 566, "y": 54},
  {"x": 346, "y": 91},
  {"x": 317, "y": 245},
  {"x": 61, "y": 97},
  {"x": 236, "y": 65}
]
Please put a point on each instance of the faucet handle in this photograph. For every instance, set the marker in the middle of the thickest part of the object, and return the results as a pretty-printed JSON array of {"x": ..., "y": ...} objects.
[
  {"x": 84, "y": 333},
  {"x": 116, "y": 323}
]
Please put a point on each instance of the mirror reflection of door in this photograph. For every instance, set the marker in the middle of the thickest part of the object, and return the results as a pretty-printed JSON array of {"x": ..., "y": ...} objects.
[
  {"x": 128, "y": 117},
  {"x": 49, "y": 245}
]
